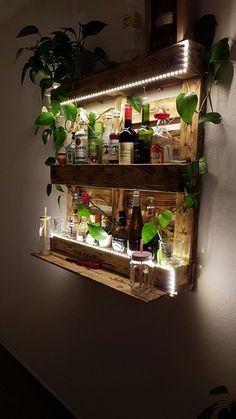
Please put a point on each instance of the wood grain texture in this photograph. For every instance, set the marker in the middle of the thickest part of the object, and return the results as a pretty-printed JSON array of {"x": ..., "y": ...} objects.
[{"x": 162, "y": 177}]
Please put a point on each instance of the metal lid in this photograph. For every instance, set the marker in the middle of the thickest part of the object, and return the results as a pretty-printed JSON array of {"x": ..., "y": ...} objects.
[{"x": 141, "y": 256}]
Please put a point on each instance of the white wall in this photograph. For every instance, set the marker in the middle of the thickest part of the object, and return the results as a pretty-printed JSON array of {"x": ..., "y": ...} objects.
[{"x": 106, "y": 355}]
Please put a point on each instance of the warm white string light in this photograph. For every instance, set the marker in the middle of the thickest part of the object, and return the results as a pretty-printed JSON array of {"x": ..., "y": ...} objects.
[{"x": 146, "y": 81}]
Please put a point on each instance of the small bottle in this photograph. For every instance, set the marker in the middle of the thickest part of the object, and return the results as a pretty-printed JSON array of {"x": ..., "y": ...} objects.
[
  {"x": 70, "y": 151},
  {"x": 119, "y": 234},
  {"x": 82, "y": 229},
  {"x": 106, "y": 138},
  {"x": 162, "y": 141},
  {"x": 141, "y": 278},
  {"x": 93, "y": 153},
  {"x": 136, "y": 225},
  {"x": 127, "y": 138},
  {"x": 45, "y": 232},
  {"x": 81, "y": 142},
  {"x": 114, "y": 139},
  {"x": 144, "y": 134}
]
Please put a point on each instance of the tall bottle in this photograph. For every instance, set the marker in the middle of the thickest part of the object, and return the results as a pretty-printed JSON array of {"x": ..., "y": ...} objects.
[
  {"x": 70, "y": 151},
  {"x": 127, "y": 138},
  {"x": 163, "y": 23},
  {"x": 144, "y": 137},
  {"x": 106, "y": 138},
  {"x": 119, "y": 234},
  {"x": 81, "y": 141},
  {"x": 136, "y": 225},
  {"x": 150, "y": 217},
  {"x": 114, "y": 139}
]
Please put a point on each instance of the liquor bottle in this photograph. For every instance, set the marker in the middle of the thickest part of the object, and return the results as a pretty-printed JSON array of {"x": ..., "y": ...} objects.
[
  {"x": 136, "y": 225},
  {"x": 82, "y": 229},
  {"x": 75, "y": 206},
  {"x": 119, "y": 234},
  {"x": 144, "y": 136},
  {"x": 93, "y": 151},
  {"x": 70, "y": 151},
  {"x": 106, "y": 138},
  {"x": 150, "y": 217},
  {"x": 162, "y": 141},
  {"x": 114, "y": 139},
  {"x": 81, "y": 142},
  {"x": 127, "y": 138},
  {"x": 99, "y": 128},
  {"x": 163, "y": 23}
]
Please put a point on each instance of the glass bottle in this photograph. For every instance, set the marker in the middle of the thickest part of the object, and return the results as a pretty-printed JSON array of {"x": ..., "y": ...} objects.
[
  {"x": 81, "y": 141},
  {"x": 106, "y": 138},
  {"x": 45, "y": 232},
  {"x": 162, "y": 141},
  {"x": 163, "y": 23},
  {"x": 114, "y": 139},
  {"x": 82, "y": 229},
  {"x": 70, "y": 151},
  {"x": 93, "y": 151},
  {"x": 144, "y": 135},
  {"x": 127, "y": 138},
  {"x": 141, "y": 278},
  {"x": 150, "y": 217},
  {"x": 119, "y": 234},
  {"x": 99, "y": 131},
  {"x": 75, "y": 206},
  {"x": 136, "y": 225}
]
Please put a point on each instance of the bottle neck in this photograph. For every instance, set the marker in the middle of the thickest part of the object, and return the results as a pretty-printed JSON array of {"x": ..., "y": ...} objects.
[
  {"x": 145, "y": 114},
  {"x": 136, "y": 200},
  {"x": 128, "y": 115}
]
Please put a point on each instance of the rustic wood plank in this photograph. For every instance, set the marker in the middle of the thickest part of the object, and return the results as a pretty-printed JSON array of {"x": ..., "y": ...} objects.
[
  {"x": 117, "y": 282},
  {"x": 162, "y": 177}
]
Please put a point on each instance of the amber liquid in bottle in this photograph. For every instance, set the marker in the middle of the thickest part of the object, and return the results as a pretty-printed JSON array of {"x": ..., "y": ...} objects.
[
  {"x": 119, "y": 234},
  {"x": 136, "y": 225}
]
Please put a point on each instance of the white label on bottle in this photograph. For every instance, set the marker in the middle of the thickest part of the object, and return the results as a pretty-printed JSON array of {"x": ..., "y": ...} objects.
[
  {"x": 126, "y": 153},
  {"x": 105, "y": 149},
  {"x": 69, "y": 156},
  {"x": 114, "y": 148},
  {"x": 164, "y": 19},
  {"x": 81, "y": 150}
]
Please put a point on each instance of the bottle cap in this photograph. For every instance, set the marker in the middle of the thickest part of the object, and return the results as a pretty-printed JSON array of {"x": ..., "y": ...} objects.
[
  {"x": 141, "y": 256},
  {"x": 162, "y": 114}
]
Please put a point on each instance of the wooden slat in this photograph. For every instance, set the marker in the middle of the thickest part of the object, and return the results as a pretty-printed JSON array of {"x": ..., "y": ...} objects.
[
  {"x": 158, "y": 62},
  {"x": 163, "y": 177}
]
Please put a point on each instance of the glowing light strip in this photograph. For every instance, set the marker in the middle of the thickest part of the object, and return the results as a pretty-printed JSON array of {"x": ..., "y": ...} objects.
[{"x": 140, "y": 82}]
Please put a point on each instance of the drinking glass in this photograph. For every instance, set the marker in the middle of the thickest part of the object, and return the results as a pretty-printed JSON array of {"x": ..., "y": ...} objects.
[{"x": 170, "y": 253}]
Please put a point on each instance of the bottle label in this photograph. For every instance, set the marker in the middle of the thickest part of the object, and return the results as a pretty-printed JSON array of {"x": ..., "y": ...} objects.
[
  {"x": 164, "y": 19},
  {"x": 119, "y": 244},
  {"x": 69, "y": 156},
  {"x": 114, "y": 148},
  {"x": 157, "y": 154},
  {"x": 81, "y": 150},
  {"x": 105, "y": 149},
  {"x": 126, "y": 153},
  {"x": 92, "y": 151}
]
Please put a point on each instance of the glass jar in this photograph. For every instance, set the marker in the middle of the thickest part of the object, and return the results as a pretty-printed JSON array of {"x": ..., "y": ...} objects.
[
  {"x": 45, "y": 233},
  {"x": 141, "y": 278}
]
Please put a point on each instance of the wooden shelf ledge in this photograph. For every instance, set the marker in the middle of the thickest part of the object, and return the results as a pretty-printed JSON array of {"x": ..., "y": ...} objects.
[
  {"x": 115, "y": 281},
  {"x": 161, "y": 177}
]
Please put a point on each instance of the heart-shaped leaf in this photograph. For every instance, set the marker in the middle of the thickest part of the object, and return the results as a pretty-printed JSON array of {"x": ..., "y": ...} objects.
[
  {"x": 136, "y": 103},
  {"x": 97, "y": 232},
  {"x": 50, "y": 161},
  {"x": 149, "y": 231},
  {"x": 220, "y": 51},
  {"x": 164, "y": 218},
  {"x": 190, "y": 200},
  {"x": 83, "y": 211},
  {"x": 202, "y": 165},
  {"x": 60, "y": 135},
  {"x": 28, "y": 30},
  {"x": 49, "y": 189},
  {"x": 92, "y": 28},
  {"x": 59, "y": 188},
  {"x": 213, "y": 117},
  {"x": 186, "y": 106},
  {"x": 69, "y": 111},
  {"x": 45, "y": 118},
  {"x": 219, "y": 390},
  {"x": 46, "y": 134}
]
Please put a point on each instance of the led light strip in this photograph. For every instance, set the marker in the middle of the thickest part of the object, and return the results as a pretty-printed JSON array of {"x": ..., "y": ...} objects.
[{"x": 140, "y": 82}]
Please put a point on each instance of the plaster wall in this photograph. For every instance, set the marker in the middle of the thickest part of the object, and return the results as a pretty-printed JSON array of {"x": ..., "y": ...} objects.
[{"x": 105, "y": 355}]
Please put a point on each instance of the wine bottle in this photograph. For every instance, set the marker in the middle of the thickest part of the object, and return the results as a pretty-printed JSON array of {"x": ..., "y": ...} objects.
[
  {"x": 114, "y": 139},
  {"x": 163, "y": 23},
  {"x": 127, "y": 138},
  {"x": 119, "y": 234},
  {"x": 136, "y": 225},
  {"x": 106, "y": 138},
  {"x": 144, "y": 136}
]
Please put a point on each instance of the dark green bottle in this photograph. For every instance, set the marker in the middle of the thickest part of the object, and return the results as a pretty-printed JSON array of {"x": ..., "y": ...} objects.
[{"x": 144, "y": 136}]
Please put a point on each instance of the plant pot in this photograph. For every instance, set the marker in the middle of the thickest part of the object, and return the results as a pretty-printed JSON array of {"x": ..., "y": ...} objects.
[{"x": 107, "y": 242}]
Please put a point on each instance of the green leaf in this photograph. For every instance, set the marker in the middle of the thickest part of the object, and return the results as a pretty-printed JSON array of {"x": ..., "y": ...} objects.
[
  {"x": 202, "y": 165},
  {"x": 220, "y": 51},
  {"x": 136, "y": 103},
  {"x": 24, "y": 71},
  {"x": 190, "y": 200},
  {"x": 213, "y": 117},
  {"x": 45, "y": 118},
  {"x": 50, "y": 161},
  {"x": 59, "y": 188},
  {"x": 219, "y": 390},
  {"x": 49, "y": 189},
  {"x": 164, "y": 218},
  {"x": 149, "y": 231},
  {"x": 69, "y": 111},
  {"x": 46, "y": 134},
  {"x": 92, "y": 119},
  {"x": 97, "y": 232},
  {"x": 60, "y": 135},
  {"x": 32, "y": 75},
  {"x": 28, "y": 30},
  {"x": 160, "y": 256},
  {"x": 59, "y": 201},
  {"x": 83, "y": 211},
  {"x": 92, "y": 28},
  {"x": 186, "y": 106},
  {"x": 55, "y": 104}
]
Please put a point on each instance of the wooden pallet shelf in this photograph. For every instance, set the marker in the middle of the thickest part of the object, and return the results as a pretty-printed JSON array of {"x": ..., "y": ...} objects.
[{"x": 161, "y": 177}]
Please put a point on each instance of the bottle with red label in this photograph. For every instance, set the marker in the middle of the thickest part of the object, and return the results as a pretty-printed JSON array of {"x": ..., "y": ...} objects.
[{"x": 162, "y": 141}]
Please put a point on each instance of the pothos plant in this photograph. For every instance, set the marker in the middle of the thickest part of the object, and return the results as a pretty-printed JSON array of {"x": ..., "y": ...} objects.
[{"x": 223, "y": 408}]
